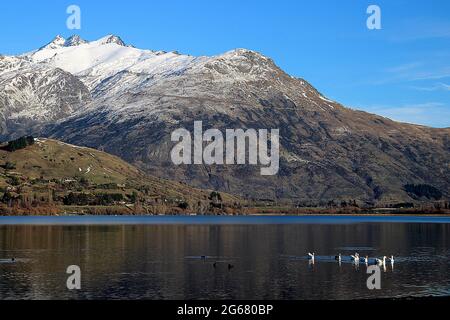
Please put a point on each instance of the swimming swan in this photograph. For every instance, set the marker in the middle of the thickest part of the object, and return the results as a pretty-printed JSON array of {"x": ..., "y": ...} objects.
[
  {"x": 366, "y": 260},
  {"x": 355, "y": 257},
  {"x": 381, "y": 262}
]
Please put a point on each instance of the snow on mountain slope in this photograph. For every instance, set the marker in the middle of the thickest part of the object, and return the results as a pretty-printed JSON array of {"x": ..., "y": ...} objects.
[
  {"x": 41, "y": 95},
  {"x": 110, "y": 68},
  {"x": 109, "y": 39},
  {"x": 56, "y": 43},
  {"x": 74, "y": 40},
  {"x": 85, "y": 57},
  {"x": 109, "y": 57},
  {"x": 32, "y": 94},
  {"x": 10, "y": 64},
  {"x": 130, "y": 83}
]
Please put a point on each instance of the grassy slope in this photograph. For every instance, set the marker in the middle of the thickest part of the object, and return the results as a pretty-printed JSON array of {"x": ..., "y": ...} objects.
[
  {"x": 52, "y": 159},
  {"x": 49, "y": 160}
]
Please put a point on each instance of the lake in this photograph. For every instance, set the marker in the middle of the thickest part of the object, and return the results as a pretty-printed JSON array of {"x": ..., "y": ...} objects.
[{"x": 190, "y": 257}]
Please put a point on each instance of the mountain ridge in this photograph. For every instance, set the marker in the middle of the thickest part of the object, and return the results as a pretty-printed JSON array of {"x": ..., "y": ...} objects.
[{"x": 75, "y": 40}]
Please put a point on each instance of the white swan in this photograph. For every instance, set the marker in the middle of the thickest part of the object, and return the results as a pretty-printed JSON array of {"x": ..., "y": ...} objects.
[
  {"x": 338, "y": 258},
  {"x": 311, "y": 257},
  {"x": 391, "y": 259},
  {"x": 381, "y": 262},
  {"x": 355, "y": 257},
  {"x": 366, "y": 260}
]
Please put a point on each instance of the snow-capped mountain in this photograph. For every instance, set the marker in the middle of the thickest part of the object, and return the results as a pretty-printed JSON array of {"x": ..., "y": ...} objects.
[
  {"x": 99, "y": 63},
  {"x": 127, "y": 101}
]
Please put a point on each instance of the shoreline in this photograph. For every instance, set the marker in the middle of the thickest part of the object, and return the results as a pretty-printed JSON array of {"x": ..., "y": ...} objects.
[
  {"x": 261, "y": 215},
  {"x": 93, "y": 211}
]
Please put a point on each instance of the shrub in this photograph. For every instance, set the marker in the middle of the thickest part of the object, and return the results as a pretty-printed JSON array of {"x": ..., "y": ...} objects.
[
  {"x": 215, "y": 196},
  {"x": 108, "y": 198},
  {"x": 84, "y": 182},
  {"x": 183, "y": 205},
  {"x": 79, "y": 199},
  {"x": 9, "y": 166},
  {"x": 14, "y": 181},
  {"x": 134, "y": 197}
]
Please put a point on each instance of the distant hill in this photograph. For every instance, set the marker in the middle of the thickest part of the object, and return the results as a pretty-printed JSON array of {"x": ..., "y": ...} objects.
[{"x": 51, "y": 174}]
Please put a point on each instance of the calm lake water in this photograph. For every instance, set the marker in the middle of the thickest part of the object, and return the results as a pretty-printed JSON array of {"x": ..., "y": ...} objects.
[{"x": 161, "y": 257}]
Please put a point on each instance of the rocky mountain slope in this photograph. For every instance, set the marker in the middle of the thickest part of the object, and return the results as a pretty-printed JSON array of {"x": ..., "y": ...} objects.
[
  {"x": 35, "y": 94},
  {"x": 130, "y": 101}
]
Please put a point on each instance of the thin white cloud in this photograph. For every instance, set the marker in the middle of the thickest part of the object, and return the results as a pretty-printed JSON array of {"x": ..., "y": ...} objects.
[
  {"x": 419, "y": 30},
  {"x": 404, "y": 67},
  {"x": 435, "y": 87},
  {"x": 433, "y": 114},
  {"x": 414, "y": 71},
  {"x": 431, "y": 75}
]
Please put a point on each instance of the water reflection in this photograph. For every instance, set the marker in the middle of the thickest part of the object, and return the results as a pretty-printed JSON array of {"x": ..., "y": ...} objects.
[{"x": 193, "y": 261}]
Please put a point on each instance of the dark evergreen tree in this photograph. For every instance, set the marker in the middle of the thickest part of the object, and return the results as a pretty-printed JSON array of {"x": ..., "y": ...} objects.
[{"x": 20, "y": 143}]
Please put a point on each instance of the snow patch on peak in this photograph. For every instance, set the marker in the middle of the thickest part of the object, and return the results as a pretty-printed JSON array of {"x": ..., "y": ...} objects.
[
  {"x": 243, "y": 53},
  {"x": 57, "y": 42},
  {"x": 241, "y": 65},
  {"x": 110, "y": 39},
  {"x": 74, "y": 41}
]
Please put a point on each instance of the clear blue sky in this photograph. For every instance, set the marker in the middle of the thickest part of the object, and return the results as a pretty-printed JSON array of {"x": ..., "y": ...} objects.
[{"x": 401, "y": 71}]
